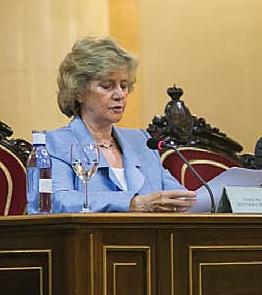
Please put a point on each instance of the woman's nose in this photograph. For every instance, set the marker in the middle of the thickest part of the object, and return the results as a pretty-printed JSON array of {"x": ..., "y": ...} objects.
[{"x": 118, "y": 93}]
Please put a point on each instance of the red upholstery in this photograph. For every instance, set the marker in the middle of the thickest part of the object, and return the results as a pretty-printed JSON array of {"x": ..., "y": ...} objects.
[
  {"x": 208, "y": 164},
  {"x": 12, "y": 183}
]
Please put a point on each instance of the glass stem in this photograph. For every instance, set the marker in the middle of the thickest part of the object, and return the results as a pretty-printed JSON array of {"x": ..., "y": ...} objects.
[{"x": 86, "y": 203}]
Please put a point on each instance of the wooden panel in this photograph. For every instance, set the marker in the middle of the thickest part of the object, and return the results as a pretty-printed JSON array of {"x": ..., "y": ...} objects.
[
  {"x": 127, "y": 270},
  {"x": 241, "y": 278},
  {"x": 218, "y": 269},
  {"x": 25, "y": 272},
  {"x": 165, "y": 263},
  {"x": 70, "y": 255},
  {"x": 141, "y": 254},
  {"x": 22, "y": 280},
  {"x": 126, "y": 260}
]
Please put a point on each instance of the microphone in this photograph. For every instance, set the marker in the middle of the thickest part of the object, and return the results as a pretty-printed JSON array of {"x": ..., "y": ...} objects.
[{"x": 155, "y": 144}]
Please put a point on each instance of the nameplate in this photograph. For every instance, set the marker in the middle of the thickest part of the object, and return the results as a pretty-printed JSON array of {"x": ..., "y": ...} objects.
[{"x": 241, "y": 199}]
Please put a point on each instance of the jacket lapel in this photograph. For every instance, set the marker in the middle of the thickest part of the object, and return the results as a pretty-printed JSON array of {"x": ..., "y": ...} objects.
[
  {"x": 134, "y": 178},
  {"x": 83, "y": 135}
]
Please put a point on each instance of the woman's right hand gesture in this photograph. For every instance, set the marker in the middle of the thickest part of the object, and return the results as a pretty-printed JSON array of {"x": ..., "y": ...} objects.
[{"x": 164, "y": 201}]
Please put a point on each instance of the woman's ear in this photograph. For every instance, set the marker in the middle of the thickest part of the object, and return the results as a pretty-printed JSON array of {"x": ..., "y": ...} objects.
[{"x": 82, "y": 93}]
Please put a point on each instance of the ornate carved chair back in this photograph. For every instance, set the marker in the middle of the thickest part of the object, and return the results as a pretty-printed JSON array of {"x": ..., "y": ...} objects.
[
  {"x": 207, "y": 149},
  {"x": 13, "y": 155}
]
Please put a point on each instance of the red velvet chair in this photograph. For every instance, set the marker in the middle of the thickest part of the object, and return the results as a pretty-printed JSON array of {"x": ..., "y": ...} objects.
[
  {"x": 13, "y": 155},
  {"x": 207, "y": 163},
  {"x": 206, "y": 148}
]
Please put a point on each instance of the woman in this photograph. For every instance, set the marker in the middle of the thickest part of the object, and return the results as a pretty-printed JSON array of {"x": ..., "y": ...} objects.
[{"x": 94, "y": 81}]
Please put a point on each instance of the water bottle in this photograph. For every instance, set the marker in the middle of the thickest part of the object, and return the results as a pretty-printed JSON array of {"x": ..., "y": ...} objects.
[{"x": 39, "y": 177}]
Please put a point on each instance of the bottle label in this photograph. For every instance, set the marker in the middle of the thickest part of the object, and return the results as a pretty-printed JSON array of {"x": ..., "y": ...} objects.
[{"x": 45, "y": 185}]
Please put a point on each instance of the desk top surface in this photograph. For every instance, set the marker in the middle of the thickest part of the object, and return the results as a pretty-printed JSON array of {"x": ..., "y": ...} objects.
[{"x": 123, "y": 219}]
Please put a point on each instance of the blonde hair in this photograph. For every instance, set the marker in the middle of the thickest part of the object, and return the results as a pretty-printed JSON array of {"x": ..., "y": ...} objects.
[{"x": 90, "y": 58}]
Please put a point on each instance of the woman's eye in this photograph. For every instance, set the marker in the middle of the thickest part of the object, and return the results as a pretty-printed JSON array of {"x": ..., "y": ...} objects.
[
  {"x": 105, "y": 85},
  {"x": 124, "y": 86}
]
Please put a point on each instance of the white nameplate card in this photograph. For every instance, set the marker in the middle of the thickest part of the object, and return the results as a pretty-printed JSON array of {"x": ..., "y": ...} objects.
[{"x": 241, "y": 199}]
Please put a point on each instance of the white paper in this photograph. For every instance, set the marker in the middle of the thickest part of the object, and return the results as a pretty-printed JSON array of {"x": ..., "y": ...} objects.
[{"x": 232, "y": 176}]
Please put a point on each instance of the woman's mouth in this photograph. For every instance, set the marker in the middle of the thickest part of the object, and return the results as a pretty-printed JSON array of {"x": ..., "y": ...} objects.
[{"x": 117, "y": 109}]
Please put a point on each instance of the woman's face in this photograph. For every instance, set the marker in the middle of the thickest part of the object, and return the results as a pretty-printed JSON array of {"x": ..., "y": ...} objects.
[{"x": 104, "y": 101}]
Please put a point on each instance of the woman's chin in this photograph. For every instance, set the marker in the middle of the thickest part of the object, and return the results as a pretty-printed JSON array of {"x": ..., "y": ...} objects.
[{"x": 116, "y": 117}]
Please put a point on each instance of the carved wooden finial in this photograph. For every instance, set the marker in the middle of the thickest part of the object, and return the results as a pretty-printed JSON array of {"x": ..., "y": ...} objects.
[
  {"x": 21, "y": 148},
  {"x": 178, "y": 116},
  {"x": 174, "y": 92},
  {"x": 5, "y": 130}
]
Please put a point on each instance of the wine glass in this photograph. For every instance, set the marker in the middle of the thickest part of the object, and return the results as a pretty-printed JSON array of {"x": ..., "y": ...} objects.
[{"x": 84, "y": 160}]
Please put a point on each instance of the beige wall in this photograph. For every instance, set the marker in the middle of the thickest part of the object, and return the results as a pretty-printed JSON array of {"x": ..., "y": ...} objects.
[
  {"x": 123, "y": 25},
  {"x": 212, "y": 49},
  {"x": 35, "y": 35}
]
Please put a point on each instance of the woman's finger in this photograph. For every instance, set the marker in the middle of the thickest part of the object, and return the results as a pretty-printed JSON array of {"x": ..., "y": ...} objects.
[{"x": 180, "y": 194}]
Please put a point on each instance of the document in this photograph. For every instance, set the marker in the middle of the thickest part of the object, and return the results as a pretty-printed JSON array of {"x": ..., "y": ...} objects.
[{"x": 231, "y": 177}]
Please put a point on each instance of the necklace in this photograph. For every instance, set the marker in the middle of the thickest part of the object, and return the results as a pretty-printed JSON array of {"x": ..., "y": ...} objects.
[
  {"x": 94, "y": 132},
  {"x": 106, "y": 146}
]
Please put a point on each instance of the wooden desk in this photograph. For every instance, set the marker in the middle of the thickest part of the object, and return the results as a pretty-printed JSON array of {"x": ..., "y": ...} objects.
[{"x": 124, "y": 254}]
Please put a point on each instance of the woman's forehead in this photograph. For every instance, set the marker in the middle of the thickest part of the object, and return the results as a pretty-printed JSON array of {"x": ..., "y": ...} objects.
[{"x": 121, "y": 74}]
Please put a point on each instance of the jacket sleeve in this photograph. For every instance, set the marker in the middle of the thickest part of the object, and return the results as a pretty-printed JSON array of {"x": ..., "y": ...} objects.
[{"x": 170, "y": 182}]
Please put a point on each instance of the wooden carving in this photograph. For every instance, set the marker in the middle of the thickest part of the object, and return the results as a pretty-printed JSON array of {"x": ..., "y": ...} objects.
[
  {"x": 21, "y": 148},
  {"x": 177, "y": 124}
]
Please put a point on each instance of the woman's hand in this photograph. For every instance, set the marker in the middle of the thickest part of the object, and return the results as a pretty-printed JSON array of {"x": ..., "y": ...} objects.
[{"x": 163, "y": 201}]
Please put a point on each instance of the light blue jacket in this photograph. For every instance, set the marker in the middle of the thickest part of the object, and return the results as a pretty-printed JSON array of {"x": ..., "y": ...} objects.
[{"x": 143, "y": 171}]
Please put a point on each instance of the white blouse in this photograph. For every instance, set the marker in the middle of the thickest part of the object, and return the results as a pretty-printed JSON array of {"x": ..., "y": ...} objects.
[{"x": 120, "y": 175}]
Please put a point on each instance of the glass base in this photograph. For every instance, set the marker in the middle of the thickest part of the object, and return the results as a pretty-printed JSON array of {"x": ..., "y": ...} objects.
[{"x": 85, "y": 210}]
